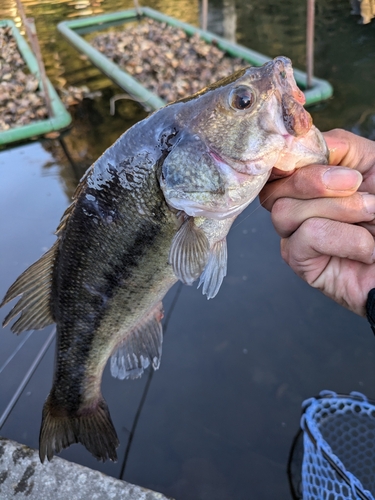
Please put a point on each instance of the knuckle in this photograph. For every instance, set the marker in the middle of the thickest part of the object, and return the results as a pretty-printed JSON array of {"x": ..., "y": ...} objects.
[
  {"x": 284, "y": 250},
  {"x": 350, "y": 207},
  {"x": 318, "y": 232},
  {"x": 282, "y": 206},
  {"x": 364, "y": 204},
  {"x": 283, "y": 216},
  {"x": 314, "y": 227},
  {"x": 338, "y": 132},
  {"x": 266, "y": 199},
  {"x": 355, "y": 202},
  {"x": 364, "y": 243}
]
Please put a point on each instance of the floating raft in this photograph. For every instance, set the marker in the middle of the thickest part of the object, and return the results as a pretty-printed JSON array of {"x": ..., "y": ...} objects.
[
  {"x": 73, "y": 31},
  {"x": 60, "y": 119}
]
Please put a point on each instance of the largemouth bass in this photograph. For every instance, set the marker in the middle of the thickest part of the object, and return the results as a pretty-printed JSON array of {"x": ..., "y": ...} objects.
[{"x": 154, "y": 208}]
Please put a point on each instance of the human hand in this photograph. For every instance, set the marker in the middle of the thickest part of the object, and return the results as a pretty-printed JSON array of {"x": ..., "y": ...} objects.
[{"x": 325, "y": 217}]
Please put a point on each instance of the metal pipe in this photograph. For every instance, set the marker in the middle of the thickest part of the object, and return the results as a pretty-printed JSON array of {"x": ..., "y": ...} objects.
[
  {"x": 204, "y": 14},
  {"x": 30, "y": 29},
  {"x": 26, "y": 378},
  {"x": 137, "y": 8},
  {"x": 34, "y": 42},
  {"x": 310, "y": 41}
]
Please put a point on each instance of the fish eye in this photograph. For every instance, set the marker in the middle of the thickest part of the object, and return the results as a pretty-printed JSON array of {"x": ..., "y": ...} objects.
[{"x": 241, "y": 98}]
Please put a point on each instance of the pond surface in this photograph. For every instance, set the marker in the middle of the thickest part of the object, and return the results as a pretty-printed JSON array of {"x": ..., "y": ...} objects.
[{"x": 221, "y": 412}]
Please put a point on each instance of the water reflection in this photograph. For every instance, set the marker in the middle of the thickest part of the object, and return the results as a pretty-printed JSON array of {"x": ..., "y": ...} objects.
[
  {"x": 59, "y": 56},
  {"x": 222, "y": 411},
  {"x": 93, "y": 131},
  {"x": 365, "y": 125}
]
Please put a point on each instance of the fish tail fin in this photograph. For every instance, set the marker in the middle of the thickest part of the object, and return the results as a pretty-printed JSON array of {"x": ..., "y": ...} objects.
[{"x": 93, "y": 428}]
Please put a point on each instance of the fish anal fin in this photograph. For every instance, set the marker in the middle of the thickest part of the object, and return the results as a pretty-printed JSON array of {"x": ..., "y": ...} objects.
[
  {"x": 34, "y": 285},
  {"x": 141, "y": 348},
  {"x": 189, "y": 252},
  {"x": 93, "y": 428},
  {"x": 215, "y": 270}
]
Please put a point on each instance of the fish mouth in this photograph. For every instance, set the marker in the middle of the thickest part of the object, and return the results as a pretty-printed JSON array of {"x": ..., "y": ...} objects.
[
  {"x": 291, "y": 153},
  {"x": 241, "y": 170},
  {"x": 276, "y": 174}
]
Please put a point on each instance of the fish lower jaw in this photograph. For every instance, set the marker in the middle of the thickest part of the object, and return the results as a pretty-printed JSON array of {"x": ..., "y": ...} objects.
[
  {"x": 303, "y": 150},
  {"x": 289, "y": 161}
]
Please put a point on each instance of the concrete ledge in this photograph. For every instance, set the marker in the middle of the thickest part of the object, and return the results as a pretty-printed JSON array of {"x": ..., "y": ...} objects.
[{"x": 22, "y": 476}]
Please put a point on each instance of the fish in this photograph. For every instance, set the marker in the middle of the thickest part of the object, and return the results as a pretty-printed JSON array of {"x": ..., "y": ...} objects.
[{"x": 155, "y": 208}]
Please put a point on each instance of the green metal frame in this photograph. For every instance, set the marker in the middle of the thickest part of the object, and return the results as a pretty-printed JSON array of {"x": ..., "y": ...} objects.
[
  {"x": 72, "y": 31},
  {"x": 60, "y": 119}
]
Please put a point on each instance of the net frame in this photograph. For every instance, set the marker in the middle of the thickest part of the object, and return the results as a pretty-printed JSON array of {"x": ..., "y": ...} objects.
[{"x": 320, "y": 465}]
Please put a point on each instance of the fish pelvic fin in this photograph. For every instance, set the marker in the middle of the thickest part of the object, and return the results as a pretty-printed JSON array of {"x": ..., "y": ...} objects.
[
  {"x": 141, "y": 348},
  {"x": 189, "y": 252},
  {"x": 34, "y": 285},
  {"x": 215, "y": 270},
  {"x": 93, "y": 428}
]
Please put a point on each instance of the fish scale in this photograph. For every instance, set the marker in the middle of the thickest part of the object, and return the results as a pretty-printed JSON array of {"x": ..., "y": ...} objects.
[{"x": 119, "y": 274}]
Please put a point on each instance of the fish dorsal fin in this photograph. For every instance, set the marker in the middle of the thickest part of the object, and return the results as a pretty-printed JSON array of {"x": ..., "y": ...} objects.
[
  {"x": 189, "y": 252},
  {"x": 34, "y": 285},
  {"x": 215, "y": 270},
  {"x": 141, "y": 348}
]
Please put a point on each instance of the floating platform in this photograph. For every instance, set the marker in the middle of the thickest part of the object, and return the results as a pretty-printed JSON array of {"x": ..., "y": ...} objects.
[
  {"x": 73, "y": 31},
  {"x": 60, "y": 119}
]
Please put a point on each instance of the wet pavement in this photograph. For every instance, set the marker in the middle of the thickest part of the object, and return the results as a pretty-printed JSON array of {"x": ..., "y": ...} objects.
[{"x": 220, "y": 414}]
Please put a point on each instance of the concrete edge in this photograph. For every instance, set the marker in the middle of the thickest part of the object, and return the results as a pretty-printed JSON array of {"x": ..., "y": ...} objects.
[{"x": 23, "y": 477}]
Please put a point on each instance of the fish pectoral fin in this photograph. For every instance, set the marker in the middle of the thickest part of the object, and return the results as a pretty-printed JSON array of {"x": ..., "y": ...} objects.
[
  {"x": 215, "y": 270},
  {"x": 189, "y": 252},
  {"x": 34, "y": 285},
  {"x": 94, "y": 429},
  {"x": 141, "y": 348}
]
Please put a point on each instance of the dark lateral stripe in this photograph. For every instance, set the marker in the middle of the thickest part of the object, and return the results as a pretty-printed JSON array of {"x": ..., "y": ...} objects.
[
  {"x": 80, "y": 348},
  {"x": 120, "y": 272}
]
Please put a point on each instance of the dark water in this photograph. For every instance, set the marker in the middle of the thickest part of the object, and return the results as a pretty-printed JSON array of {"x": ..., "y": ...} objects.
[{"x": 221, "y": 412}]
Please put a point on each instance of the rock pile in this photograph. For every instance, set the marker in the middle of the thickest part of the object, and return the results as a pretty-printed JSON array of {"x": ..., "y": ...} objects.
[
  {"x": 165, "y": 59},
  {"x": 20, "y": 100}
]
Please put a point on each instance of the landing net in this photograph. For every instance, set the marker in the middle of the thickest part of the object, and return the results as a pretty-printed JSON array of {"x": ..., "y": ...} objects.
[{"x": 338, "y": 461}]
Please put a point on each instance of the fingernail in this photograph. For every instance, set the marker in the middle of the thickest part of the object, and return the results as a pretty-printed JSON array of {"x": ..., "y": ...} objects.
[
  {"x": 369, "y": 203},
  {"x": 341, "y": 179}
]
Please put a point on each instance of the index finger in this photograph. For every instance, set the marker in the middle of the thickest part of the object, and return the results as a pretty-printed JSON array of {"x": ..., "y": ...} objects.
[{"x": 350, "y": 150}]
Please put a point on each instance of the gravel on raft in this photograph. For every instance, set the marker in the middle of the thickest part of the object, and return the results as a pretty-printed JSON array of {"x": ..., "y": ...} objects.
[
  {"x": 165, "y": 59},
  {"x": 20, "y": 100}
]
